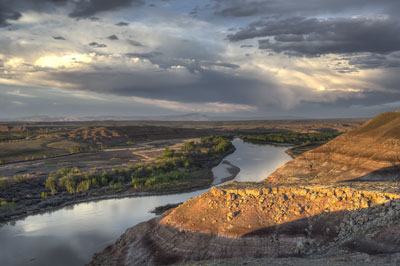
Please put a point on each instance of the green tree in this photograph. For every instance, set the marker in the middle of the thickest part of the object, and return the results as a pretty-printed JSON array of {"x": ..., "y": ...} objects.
[
  {"x": 51, "y": 184},
  {"x": 43, "y": 195}
]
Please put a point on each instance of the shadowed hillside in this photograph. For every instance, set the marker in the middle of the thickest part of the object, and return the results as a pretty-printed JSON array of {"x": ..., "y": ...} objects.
[{"x": 369, "y": 153}]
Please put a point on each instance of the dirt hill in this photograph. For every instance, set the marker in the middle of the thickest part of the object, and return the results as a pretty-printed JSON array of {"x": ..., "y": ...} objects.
[
  {"x": 370, "y": 152},
  {"x": 260, "y": 220}
]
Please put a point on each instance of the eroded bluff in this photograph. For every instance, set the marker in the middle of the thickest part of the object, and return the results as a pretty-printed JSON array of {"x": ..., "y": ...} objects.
[
  {"x": 369, "y": 153},
  {"x": 264, "y": 220}
]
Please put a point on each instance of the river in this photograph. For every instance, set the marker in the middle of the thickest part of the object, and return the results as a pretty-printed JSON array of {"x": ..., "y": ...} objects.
[{"x": 71, "y": 235}]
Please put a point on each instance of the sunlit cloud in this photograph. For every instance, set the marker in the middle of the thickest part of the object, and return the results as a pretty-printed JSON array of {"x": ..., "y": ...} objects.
[
  {"x": 66, "y": 61},
  {"x": 213, "y": 107}
]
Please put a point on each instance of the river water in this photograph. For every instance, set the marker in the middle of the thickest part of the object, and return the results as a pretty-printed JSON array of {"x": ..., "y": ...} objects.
[{"x": 71, "y": 235}]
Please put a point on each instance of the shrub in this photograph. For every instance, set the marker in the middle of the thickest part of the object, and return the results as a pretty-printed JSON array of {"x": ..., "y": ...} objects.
[
  {"x": 83, "y": 186},
  {"x": 187, "y": 164},
  {"x": 223, "y": 145},
  {"x": 51, "y": 184},
  {"x": 94, "y": 182},
  {"x": 4, "y": 183},
  {"x": 20, "y": 178},
  {"x": 7, "y": 206},
  {"x": 138, "y": 182},
  {"x": 189, "y": 146},
  {"x": 43, "y": 195}
]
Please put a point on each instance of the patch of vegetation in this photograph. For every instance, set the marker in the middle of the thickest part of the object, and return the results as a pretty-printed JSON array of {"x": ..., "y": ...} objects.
[
  {"x": 4, "y": 183},
  {"x": 6, "y": 206},
  {"x": 20, "y": 178},
  {"x": 170, "y": 167},
  {"x": 292, "y": 138},
  {"x": 43, "y": 195},
  {"x": 66, "y": 145},
  {"x": 32, "y": 149}
]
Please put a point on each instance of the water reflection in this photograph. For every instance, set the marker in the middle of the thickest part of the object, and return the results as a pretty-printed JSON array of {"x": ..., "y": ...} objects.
[{"x": 71, "y": 235}]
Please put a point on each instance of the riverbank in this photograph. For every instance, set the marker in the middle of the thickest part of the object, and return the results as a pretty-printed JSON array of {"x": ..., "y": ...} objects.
[{"x": 202, "y": 180}]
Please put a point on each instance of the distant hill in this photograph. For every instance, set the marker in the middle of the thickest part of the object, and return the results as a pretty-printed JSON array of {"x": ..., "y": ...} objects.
[
  {"x": 370, "y": 152},
  {"x": 184, "y": 117}
]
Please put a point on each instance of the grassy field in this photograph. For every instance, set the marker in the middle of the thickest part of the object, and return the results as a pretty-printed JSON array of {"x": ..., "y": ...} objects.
[{"x": 35, "y": 149}]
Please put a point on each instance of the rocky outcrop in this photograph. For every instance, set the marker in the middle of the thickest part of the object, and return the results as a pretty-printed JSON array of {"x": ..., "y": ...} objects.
[
  {"x": 260, "y": 220},
  {"x": 368, "y": 153}
]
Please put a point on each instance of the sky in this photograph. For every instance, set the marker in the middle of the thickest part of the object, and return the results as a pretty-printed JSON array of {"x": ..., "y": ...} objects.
[{"x": 242, "y": 58}]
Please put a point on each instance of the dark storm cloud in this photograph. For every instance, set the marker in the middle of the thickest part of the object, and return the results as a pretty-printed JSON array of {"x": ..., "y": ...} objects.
[
  {"x": 7, "y": 14},
  {"x": 149, "y": 55},
  {"x": 84, "y": 8},
  {"x": 367, "y": 98},
  {"x": 227, "y": 65},
  {"x": 113, "y": 37},
  {"x": 313, "y": 37},
  {"x": 121, "y": 24},
  {"x": 204, "y": 86},
  {"x": 12, "y": 9},
  {"x": 135, "y": 43},
  {"x": 243, "y": 8},
  {"x": 59, "y": 38},
  {"x": 371, "y": 61},
  {"x": 97, "y": 45}
]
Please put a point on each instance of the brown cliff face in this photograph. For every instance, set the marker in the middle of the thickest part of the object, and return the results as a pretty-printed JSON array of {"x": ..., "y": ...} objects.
[
  {"x": 260, "y": 220},
  {"x": 369, "y": 153}
]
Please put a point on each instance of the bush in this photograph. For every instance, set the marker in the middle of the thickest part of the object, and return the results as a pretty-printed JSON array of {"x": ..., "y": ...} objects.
[
  {"x": 186, "y": 164},
  {"x": 223, "y": 145},
  {"x": 6, "y": 206},
  {"x": 189, "y": 146},
  {"x": 20, "y": 178},
  {"x": 43, "y": 195},
  {"x": 138, "y": 182},
  {"x": 167, "y": 153},
  {"x": 51, "y": 184},
  {"x": 83, "y": 186},
  {"x": 4, "y": 183}
]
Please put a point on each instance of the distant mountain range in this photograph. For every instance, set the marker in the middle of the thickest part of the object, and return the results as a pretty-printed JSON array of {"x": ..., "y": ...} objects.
[{"x": 184, "y": 117}]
